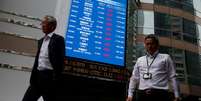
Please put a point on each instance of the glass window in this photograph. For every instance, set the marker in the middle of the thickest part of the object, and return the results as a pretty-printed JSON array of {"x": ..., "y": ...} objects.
[
  {"x": 145, "y": 22},
  {"x": 177, "y": 35},
  {"x": 190, "y": 39},
  {"x": 193, "y": 66},
  {"x": 147, "y": 1},
  {"x": 194, "y": 80},
  {"x": 176, "y": 27},
  {"x": 179, "y": 65},
  {"x": 170, "y": 3},
  {"x": 198, "y": 13},
  {"x": 174, "y": 4},
  {"x": 178, "y": 51},
  {"x": 162, "y": 32},
  {"x": 162, "y": 21},
  {"x": 187, "y": 5},
  {"x": 165, "y": 49},
  {"x": 189, "y": 30},
  {"x": 162, "y": 2},
  {"x": 181, "y": 79},
  {"x": 178, "y": 58},
  {"x": 189, "y": 2},
  {"x": 162, "y": 24},
  {"x": 180, "y": 71},
  {"x": 199, "y": 33},
  {"x": 140, "y": 49},
  {"x": 197, "y": 7}
]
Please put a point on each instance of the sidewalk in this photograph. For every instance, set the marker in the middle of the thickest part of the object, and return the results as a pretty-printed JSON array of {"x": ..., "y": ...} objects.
[{"x": 13, "y": 84}]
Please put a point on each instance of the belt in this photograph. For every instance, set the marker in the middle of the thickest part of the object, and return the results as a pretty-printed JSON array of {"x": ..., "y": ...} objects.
[
  {"x": 46, "y": 71},
  {"x": 153, "y": 91}
]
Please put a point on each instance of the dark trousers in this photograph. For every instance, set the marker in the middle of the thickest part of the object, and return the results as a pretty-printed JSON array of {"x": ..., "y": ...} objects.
[
  {"x": 153, "y": 95},
  {"x": 44, "y": 86}
]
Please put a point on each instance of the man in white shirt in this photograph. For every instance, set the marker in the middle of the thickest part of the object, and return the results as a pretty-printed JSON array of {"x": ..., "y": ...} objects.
[{"x": 152, "y": 73}]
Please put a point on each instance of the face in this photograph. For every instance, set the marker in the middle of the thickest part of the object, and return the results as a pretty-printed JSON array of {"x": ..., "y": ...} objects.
[
  {"x": 150, "y": 45},
  {"x": 46, "y": 26}
]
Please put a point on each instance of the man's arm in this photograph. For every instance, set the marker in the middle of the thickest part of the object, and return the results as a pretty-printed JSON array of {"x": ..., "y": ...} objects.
[
  {"x": 134, "y": 80},
  {"x": 132, "y": 86},
  {"x": 57, "y": 55},
  {"x": 172, "y": 77},
  {"x": 60, "y": 53}
]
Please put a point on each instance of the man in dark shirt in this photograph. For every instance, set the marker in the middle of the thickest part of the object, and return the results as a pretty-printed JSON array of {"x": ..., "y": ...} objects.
[{"x": 48, "y": 65}]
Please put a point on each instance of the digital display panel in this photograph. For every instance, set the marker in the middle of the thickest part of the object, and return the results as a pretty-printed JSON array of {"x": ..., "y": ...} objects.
[{"x": 97, "y": 31}]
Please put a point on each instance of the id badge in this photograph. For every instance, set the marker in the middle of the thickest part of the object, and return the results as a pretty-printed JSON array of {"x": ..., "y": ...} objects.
[{"x": 147, "y": 76}]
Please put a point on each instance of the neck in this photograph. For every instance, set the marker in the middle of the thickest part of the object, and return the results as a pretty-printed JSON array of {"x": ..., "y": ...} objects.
[
  {"x": 46, "y": 34},
  {"x": 152, "y": 53}
]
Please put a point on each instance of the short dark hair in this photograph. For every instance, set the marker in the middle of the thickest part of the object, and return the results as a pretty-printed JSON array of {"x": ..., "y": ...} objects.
[{"x": 154, "y": 37}]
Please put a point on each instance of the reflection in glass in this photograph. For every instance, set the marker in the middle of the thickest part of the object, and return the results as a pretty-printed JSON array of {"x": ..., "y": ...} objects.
[
  {"x": 197, "y": 7},
  {"x": 147, "y": 1},
  {"x": 145, "y": 22}
]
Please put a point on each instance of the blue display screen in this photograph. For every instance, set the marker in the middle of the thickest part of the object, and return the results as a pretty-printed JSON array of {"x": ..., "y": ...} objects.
[{"x": 97, "y": 31}]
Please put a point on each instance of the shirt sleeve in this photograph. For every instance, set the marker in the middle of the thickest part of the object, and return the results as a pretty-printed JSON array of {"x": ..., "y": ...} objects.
[
  {"x": 134, "y": 80},
  {"x": 172, "y": 76}
]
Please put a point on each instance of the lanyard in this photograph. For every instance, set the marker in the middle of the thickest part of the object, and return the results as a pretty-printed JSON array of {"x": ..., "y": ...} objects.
[{"x": 148, "y": 66}]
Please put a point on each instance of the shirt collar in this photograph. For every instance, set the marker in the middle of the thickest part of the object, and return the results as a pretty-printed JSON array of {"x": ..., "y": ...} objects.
[
  {"x": 151, "y": 56},
  {"x": 49, "y": 35}
]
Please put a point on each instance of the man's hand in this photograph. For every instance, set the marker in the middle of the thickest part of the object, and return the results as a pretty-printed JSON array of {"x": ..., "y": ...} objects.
[{"x": 129, "y": 98}]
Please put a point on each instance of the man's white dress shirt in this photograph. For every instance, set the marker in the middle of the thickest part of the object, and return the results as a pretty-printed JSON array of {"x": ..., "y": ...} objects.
[
  {"x": 162, "y": 70},
  {"x": 43, "y": 61}
]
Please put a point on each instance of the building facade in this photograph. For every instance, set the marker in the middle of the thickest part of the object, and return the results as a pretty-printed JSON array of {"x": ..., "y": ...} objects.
[
  {"x": 20, "y": 29},
  {"x": 178, "y": 25}
]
